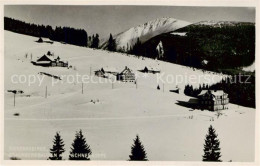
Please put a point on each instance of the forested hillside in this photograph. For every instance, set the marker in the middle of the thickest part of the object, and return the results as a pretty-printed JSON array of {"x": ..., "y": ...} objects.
[{"x": 222, "y": 47}]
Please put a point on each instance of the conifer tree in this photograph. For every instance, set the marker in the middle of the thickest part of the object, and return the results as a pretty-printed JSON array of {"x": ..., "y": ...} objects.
[
  {"x": 57, "y": 148},
  {"x": 137, "y": 151},
  {"x": 95, "y": 41},
  {"x": 111, "y": 43},
  {"x": 80, "y": 150},
  {"x": 136, "y": 50},
  {"x": 211, "y": 147}
]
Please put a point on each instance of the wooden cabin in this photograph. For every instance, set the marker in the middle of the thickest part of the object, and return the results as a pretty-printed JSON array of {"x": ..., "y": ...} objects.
[
  {"x": 149, "y": 69},
  {"x": 213, "y": 100},
  {"x": 126, "y": 75},
  {"x": 50, "y": 61}
]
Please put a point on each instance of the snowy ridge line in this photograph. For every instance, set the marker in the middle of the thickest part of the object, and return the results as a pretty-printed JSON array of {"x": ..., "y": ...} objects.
[
  {"x": 146, "y": 31},
  {"x": 108, "y": 118}
]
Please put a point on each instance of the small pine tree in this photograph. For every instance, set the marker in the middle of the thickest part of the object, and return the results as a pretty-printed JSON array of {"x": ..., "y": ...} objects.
[
  {"x": 95, "y": 41},
  {"x": 57, "y": 148},
  {"x": 80, "y": 150},
  {"x": 211, "y": 147},
  {"x": 137, "y": 151},
  {"x": 158, "y": 87}
]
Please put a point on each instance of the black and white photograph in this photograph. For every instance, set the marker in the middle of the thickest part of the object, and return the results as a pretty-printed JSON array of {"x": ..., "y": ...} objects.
[{"x": 129, "y": 83}]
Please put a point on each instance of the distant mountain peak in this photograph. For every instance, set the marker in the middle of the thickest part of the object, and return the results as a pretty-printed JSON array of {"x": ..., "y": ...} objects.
[
  {"x": 215, "y": 23},
  {"x": 146, "y": 31}
]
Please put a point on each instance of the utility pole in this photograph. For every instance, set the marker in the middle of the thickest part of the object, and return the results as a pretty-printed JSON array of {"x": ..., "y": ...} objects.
[
  {"x": 46, "y": 92},
  {"x": 163, "y": 87},
  {"x": 90, "y": 71},
  {"x": 136, "y": 83},
  {"x": 82, "y": 88},
  {"x": 14, "y": 99}
]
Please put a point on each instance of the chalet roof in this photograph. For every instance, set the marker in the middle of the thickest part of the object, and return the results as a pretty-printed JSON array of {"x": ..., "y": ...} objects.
[
  {"x": 46, "y": 58},
  {"x": 218, "y": 92},
  {"x": 175, "y": 88},
  {"x": 193, "y": 101},
  {"x": 98, "y": 71},
  {"x": 152, "y": 68},
  {"x": 126, "y": 70},
  {"x": 203, "y": 92},
  {"x": 110, "y": 69},
  {"x": 213, "y": 92}
]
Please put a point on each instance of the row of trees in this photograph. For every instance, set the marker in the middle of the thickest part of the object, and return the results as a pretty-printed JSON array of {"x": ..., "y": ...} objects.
[
  {"x": 80, "y": 150},
  {"x": 68, "y": 35},
  {"x": 194, "y": 92}
]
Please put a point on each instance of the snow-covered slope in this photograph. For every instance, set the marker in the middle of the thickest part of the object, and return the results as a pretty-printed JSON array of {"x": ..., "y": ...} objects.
[
  {"x": 220, "y": 23},
  {"x": 146, "y": 31},
  {"x": 249, "y": 68},
  {"x": 110, "y": 117}
]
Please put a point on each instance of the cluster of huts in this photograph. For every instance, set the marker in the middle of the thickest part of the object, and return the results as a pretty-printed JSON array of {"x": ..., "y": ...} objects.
[
  {"x": 127, "y": 75},
  {"x": 48, "y": 60}
]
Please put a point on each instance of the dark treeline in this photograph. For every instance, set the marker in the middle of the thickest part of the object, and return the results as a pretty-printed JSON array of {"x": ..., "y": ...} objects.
[
  {"x": 240, "y": 89},
  {"x": 194, "y": 92},
  {"x": 68, "y": 35}
]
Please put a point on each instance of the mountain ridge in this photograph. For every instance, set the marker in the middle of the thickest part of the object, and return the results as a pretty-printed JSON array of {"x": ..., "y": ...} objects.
[{"x": 146, "y": 31}]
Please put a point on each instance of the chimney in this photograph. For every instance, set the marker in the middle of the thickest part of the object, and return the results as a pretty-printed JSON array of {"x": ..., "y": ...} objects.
[{"x": 125, "y": 67}]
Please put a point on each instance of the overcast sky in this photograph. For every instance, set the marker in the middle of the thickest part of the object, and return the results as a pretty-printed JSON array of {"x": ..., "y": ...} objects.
[{"x": 115, "y": 19}]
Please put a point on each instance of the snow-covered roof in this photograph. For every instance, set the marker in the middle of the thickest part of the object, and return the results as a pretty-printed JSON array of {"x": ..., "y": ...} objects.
[
  {"x": 152, "y": 68},
  {"x": 193, "y": 101},
  {"x": 46, "y": 58},
  {"x": 203, "y": 92},
  {"x": 175, "y": 88},
  {"x": 110, "y": 69},
  {"x": 126, "y": 70},
  {"x": 217, "y": 93},
  {"x": 213, "y": 92},
  {"x": 98, "y": 71}
]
